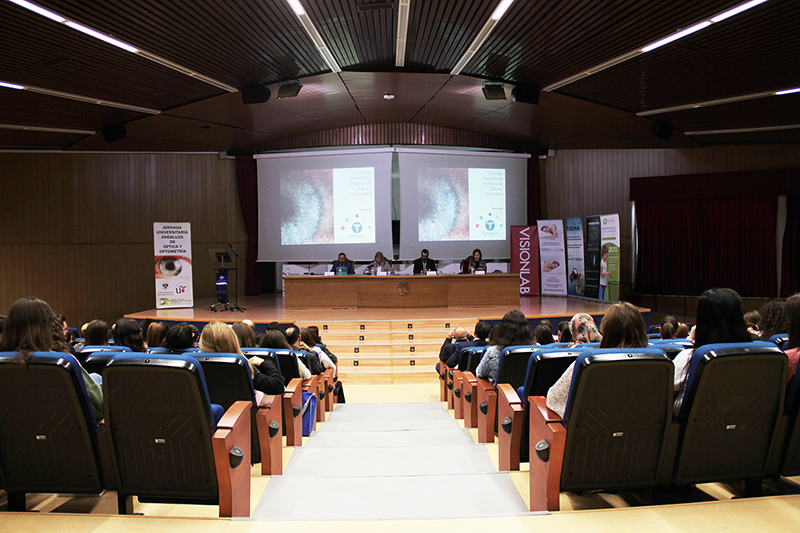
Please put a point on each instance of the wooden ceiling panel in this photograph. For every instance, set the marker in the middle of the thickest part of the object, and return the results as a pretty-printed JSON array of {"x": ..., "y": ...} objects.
[
  {"x": 36, "y": 140},
  {"x": 412, "y": 91}
]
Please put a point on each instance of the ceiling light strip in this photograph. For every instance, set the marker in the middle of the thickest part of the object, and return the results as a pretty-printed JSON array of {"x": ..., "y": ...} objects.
[
  {"x": 312, "y": 32},
  {"x": 656, "y": 44},
  {"x": 90, "y": 100},
  {"x": 487, "y": 29},
  {"x": 707, "y": 103},
  {"x": 46, "y": 130},
  {"x": 402, "y": 33},
  {"x": 743, "y": 130},
  {"x": 123, "y": 45}
]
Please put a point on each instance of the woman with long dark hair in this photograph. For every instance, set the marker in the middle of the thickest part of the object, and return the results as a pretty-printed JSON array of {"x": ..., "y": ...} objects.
[
  {"x": 128, "y": 333},
  {"x": 513, "y": 330}
]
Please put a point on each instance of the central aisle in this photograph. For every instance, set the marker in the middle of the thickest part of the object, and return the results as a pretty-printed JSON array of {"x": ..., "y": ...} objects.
[{"x": 390, "y": 461}]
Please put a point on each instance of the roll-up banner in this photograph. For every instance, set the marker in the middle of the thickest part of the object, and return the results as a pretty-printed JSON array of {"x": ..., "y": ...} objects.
[
  {"x": 591, "y": 285},
  {"x": 609, "y": 257},
  {"x": 525, "y": 258},
  {"x": 552, "y": 257},
  {"x": 573, "y": 230},
  {"x": 173, "y": 264}
]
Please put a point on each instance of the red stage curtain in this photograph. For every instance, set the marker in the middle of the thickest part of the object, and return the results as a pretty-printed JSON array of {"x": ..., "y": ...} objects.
[
  {"x": 246, "y": 175},
  {"x": 688, "y": 246},
  {"x": 790, "y": 261}
]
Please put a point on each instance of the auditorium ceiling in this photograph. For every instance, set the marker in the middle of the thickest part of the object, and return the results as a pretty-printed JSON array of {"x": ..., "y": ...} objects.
[{"x": 366, "y": 78}]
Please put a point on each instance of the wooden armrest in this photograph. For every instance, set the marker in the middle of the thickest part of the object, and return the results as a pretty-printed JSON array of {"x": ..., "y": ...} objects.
[
  {"x": 545, "y": 470},
  {"x": 292, "y": 405},
  {"x": 233, "y": 430},
  {"x": 510, "y": 413},
  {"x": 484, "y": 384},
  {"x": 269, "y": 439},
  {"x": 507, "y": 395},
  {"x": 487, "y": 410}
]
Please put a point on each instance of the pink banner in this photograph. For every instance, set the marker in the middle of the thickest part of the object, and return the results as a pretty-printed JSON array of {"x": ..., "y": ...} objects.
[{"x": 525, "y": 258}]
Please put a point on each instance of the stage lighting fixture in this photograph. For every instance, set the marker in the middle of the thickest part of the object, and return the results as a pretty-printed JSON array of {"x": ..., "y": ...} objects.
[
  {"x": 494, "y": 91},
  {"x": 289, "y": 90}
]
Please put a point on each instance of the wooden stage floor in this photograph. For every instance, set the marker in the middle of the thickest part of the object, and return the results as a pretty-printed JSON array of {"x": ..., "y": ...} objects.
[{"x": 270, "y": 307}]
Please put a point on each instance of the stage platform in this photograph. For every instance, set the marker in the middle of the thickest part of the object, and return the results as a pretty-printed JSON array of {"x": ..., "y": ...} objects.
[{"x": 382, "y": 345}]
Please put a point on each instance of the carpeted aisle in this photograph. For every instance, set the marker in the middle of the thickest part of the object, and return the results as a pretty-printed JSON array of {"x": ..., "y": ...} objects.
[{"x": 389, "y": 461}]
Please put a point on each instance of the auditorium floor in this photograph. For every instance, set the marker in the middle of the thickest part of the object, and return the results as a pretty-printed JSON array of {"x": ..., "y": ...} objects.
[{"x": 710, "y": 507}]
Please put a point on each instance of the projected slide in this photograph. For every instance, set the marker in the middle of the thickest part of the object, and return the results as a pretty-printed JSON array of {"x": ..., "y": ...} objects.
[
  {"x": 460, "y": 204},
  {"x": 327, "y": 206}
]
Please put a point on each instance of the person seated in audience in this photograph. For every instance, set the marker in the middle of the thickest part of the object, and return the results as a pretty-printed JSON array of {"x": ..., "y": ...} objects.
[
  {"x": 307, "y": 339},
  {"x": 513, "y": 330},
  {"x": 127, "y": 333},
  {"x": 672, "y": 329},
  {"x": 96, "y": 333},
  {"x": 318, "y": 340},
  {"x": 218, "y": 337},
  {"x": 752, "y": 319},
  {"x": 378, "y": 265},
  {"x": 793, "y": 345},
  {"x": 456, "y": 335},
  {"x": 481, "y": 338},
  {"x": 244, "y": 334},
  {"x": 477, "y": 262},
  {"x": 273, "y": 338},
  {"x": 564, "y": 334},
  {"x": 773, "y": 319},
  {"x": 424, "y": 264},
  {"x": 719, "y": 319},
  {"x": 583, "y": 329},
  {"x": 342, "y": 262},
  {"x": 293, "y": 338},
  {"x": 543, "y": 334},
  {"x": 622, "y": 327},
  {"x": 31, "y": 326},
  {"x": 156, "y": 332},
  {"x": 180, "y": 337}
]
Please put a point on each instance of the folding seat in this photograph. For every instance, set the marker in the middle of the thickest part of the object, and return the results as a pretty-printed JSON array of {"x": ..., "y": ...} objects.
[
  {"x": 167, "y": 446},
  {"x": 779, "y": 339},
  {"x": 730, "y": 414},
  {"x": 466, "y": 384},
  {"x": 672, "y": 347},
  {"x": 49, "y": 441},
  {"x": 790, "y": 455},
  {"x": 511, "y": 369},
  {"x": 94, "y": 358},
  {"x": 615, "y": 427},
  {"x": 293, "y": 397},
  {"x": 228, "y": 381},
  {"x": 545, "y": 366}
]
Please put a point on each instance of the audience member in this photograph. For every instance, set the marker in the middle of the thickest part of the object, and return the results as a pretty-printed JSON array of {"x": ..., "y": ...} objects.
[
  {"x": 671, "y": 328},
  {"x": 128, "y": 333},
  {"x": 752, "y": 319},
  {"x": 512, "y": 330},
  {"x": 622, "y": 327},
  {"x": 156, "y": 332},
  {"x": 424, "y": 264},
  {"x": 180, "y": 337},
  {"x": 564, "y": 334},
  {"x": 342, "y": 265},
  {"x": 773, "y": 319},
  {"x": 31, "y": 326},
  {"x": 543, "y": 334},
  {"x": 719, "y": 319},
  {"x": 96, "y": 333},
  {"x": 583, "y": 329},
  {"x": 378, "y": 265},
  {"x": 218, "y": 337},
  {"x": 318, "y": 340},
  {"x": 273, "y": 338},
  {"x": 308, "y": 340},
  {"x": 245, "y": 335},
  {"x": 457, "y": 334},
  {"x": 292, "y": 334},
  {"x": 481, "y": 338},
  {"x": 477, "y": 262},
  {"x": 793, "y": 345}
]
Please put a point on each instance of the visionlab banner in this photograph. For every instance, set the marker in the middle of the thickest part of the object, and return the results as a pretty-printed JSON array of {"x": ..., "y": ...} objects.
[
  {"x": 173, "y": 264},
  {"x": 573, "y": 231},
  {"x": 552, "y": 257},
  {"x": 525, "y": 258}
]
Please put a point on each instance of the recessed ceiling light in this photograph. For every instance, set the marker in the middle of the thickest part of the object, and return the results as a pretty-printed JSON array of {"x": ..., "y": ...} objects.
[{"x": 388, "y": 96}]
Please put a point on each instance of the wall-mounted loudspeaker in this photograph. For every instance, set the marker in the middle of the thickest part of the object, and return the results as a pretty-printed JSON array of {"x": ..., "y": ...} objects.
[
  {"x": 255, "y": 94},
  {"x": 662, "y": 129},
  {"x": 114, "y": 132},
  {"x": 525, "y": 95}
]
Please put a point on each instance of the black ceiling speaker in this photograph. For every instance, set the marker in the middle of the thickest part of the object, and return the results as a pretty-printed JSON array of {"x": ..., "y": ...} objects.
[
  {"x": 114, "y": 132},
  {"x": 662, "y": 129},
  {"x": 289, "y": 89},
  {"x": 494, "y": 91},
  {"x": 525, "y": 95},
  {"x": 255, "y": 94}
]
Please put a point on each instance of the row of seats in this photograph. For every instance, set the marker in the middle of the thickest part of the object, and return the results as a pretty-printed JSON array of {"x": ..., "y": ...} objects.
[
  {"x": 161, "y": 441},
  {"x": 736, "y": 422}
]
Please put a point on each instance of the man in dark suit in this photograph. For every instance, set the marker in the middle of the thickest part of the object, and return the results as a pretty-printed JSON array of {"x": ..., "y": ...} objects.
[{"x": 424, "y": 263}]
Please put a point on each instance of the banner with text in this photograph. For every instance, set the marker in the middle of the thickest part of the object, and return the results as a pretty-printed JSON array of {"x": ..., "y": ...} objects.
[
  {"x": 552, "y": 257},
  {"x": 573, "y": 230},
  {"x": 525, "y": 258},
  {"x": 609, "y": 257},
  {"x": 591, "y": 285},
  {"x": 173, "y": 264}
]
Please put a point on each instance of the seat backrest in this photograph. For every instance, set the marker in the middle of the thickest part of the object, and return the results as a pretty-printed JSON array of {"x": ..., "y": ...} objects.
[
  {"x": 545, "y": 366},
  {"x": 158, "y": 411},
  {"x": 790, "y": 460},
  {"x": 617, "y": 414},
  {"x": 778, "y": 339},
  {"x": 287, "y": 363},
  {"x": 47, "y": 429},
  {"x": 474, "y": 356},
  {"x": 672, "y": 349},
  {"x": 513, "y": 363},
  {"x": 728, "y": 409},
  {"x": 465, "y": 265}
]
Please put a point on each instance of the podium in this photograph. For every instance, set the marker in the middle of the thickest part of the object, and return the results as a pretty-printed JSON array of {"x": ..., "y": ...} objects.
[{"x": 221, "y": 281}]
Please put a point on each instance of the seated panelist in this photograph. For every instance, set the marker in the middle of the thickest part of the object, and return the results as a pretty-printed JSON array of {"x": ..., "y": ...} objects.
[
  {"x": 378, "y": 265},
  {"x": 342, "y": 265},
  {"x": 477, "y": 262},
  {"x": 424, "y": 264}
]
